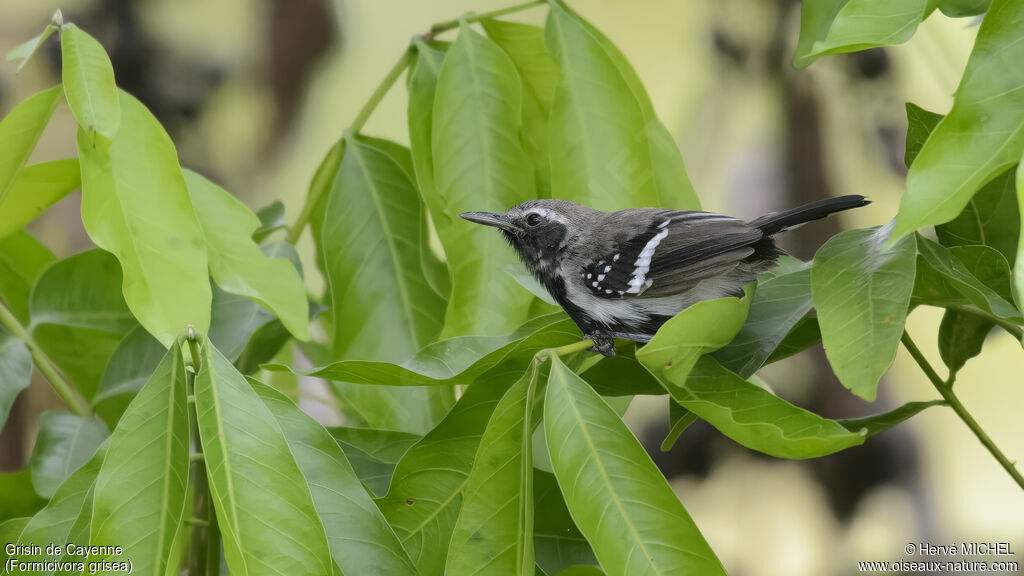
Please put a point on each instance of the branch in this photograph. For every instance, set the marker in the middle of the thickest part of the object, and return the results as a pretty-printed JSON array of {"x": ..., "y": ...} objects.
[
  {"x": 946, "y": 390},
  {"x": 75, "y": 403}
]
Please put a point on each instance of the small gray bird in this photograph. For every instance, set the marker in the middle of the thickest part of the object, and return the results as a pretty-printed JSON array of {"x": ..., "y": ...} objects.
[{"x": 624, "y": 274}]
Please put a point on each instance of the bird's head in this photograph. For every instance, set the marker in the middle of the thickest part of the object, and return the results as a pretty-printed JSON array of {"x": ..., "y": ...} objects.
[{"x": 537, "y": 229}]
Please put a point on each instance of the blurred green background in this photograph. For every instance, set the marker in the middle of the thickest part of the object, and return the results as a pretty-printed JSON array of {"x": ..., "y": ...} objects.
[{"x": 253, "y": 94}]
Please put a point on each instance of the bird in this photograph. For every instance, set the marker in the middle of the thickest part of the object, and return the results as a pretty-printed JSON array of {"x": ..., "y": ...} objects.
[{"x": 623, "y": 274}]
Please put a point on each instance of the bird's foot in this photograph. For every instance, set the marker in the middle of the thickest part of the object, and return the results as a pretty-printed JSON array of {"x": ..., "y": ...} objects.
[{"x": 602, "y": 344}]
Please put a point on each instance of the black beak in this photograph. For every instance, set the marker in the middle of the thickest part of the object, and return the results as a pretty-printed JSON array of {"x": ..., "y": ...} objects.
[{"x": 491, "y": 219}]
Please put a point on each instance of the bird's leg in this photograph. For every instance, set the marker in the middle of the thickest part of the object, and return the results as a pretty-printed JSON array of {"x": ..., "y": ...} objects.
[{"x": 602, "y": 344}]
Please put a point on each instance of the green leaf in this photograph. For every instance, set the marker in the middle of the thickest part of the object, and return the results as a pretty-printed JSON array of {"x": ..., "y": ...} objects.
[
  {"x": 140, "y": 490},
  {"x": 22, "y": 260},
  {"x": 805, "y": 334},
  {"x": 980, "y": 274},
  {"x": 233, "y": 321},
  {"x": 264, "y": 508},
  {"x": 383, "y": 307},
  {"x": 872, "y": 425},
  {"x": 18, "y": 497},
  {"x": 426, "y": 491},
  {"x": 679, "y": 420},
  {"x": 704, "y": 327},
  {"x": 524, "y": 44},
  {"x": 89, "y": 82},
  {"x": 272, "y": 218},
  {"x": 920, "y": 124},
  {"x": 236, "y": 262},
  {"x": 861, "y": 292},
  {"x": 360, "y": 539},
  {"x": 59, "y": 522},
  {"x": 135, "y": 205},
  {"x": 25, "y": 50},
  {"x": 79, "y": 315},
  {"x": 19, "y": 131},
  {"x": 37, "y": 188},
  {"x": 754, "y": 417},
  {"x": 962, "y": 8},
  {"x": 373, "y": 453},
  {"x": 494, "y": 531},
  {"x": 982, "y": 134},
  {"x": 616, "y": 495},
  {"x": 779, "y": 303},
  {"x": 320, "y": 187},
  {"x": 835, "y": 26},
  {"x": 961, "y": 336},
  {"x": 479, "y": 164},
  {"x": 990, "y": 218},
  {"x": 65, "y": 443},
  {"x": 1018, "y": 267},
  {"x": 557, "y": 541},
  {"x": 422, "y": 90},
  {"x": 458, "y": 360},
  {"x": 15, "y": 371},
  {"x": 129, "y": 368},
  {"x": 608, "y": 149},
  {"x": 621, "y": 375}
]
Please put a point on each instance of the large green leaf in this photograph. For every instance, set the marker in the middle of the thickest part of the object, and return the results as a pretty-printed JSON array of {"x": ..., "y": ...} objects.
[
  {"x": 804, "y": 334},
  {"x": 755, "y": 417},
  {"x": 233, "y": 320},
  {"x": 19, "y": 131},
  {"x": 982, "y": 135},
  {"x": 479, "y": 164},
  {"x": 28, "y": 48},
  {"x": 608, "y": 148},
  {"x": 264, "y": 508},
  {"x": 79, "y": 315},
  {"x": 18, "y": 497},
  {"x": 991, "y": 216},
  {"x": 383, "y": 307},
  {"x": 320, "y": 187},
  {"x": 360, "y": 539},
  {"x": 704, "y": 327},
  {"x": 616, "y": 495},
  {"x": 422, "y": 89},
  {"x": 458, "y": 360},
  {"x": 494, "y": 531},
  {"x": 426, "y": 491},
  {"x": 861, "y": 292},
  {"x": 89, "y": 83},
  {"x": 63, "y": 518},
  {"x": 834, "y": 26},
  {"x": 15, "y": 371},
  {"x": 22, "y": 260},
  {"x": 374, "y": 453},
  {"x": 621, "y": 375},
  {"x": 135, "y": 205},
  {"x": 524, "y": 44},
  {"x": 557, "y": 541},
  {"x": 37, "y": 188},
  {"x": 65, "y": 443},
  {"x": 129, "y": 368},
  {"x": 779, "y": 303},
  {"x": 979, "y": 273},
  {"x": 236, "y": 262},
  {"x": 961, "y": 8},
  {"x": 140, "y": 491}
]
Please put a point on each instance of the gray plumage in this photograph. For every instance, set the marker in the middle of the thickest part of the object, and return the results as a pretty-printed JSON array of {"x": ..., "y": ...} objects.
[{"x": 623, "y": 274}]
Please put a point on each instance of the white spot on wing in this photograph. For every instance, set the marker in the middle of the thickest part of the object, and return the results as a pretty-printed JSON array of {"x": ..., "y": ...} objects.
[
  {"x": 607, "y": 269},
  {"x": 615, "y": 258}
]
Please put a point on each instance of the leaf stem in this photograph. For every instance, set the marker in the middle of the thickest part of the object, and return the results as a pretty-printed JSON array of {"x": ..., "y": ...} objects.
[
  {"x": 571, "y": 348},
  {"x": 440, "y": 27},
  {"x": 404, "y": 61},
  {"x": 945, "y": 388},
  {"x": 75, "y": 402}
]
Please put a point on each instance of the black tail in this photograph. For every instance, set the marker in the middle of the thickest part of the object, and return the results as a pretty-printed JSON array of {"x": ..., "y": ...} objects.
[{"x": 779, "y": 221}]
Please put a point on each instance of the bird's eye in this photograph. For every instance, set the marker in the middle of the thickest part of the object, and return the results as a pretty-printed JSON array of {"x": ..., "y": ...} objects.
[{"x": 533, "y": 219}]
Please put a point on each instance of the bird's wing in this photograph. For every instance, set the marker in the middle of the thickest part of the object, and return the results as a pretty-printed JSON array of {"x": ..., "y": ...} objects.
[{"x": 670, "y": 255}]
